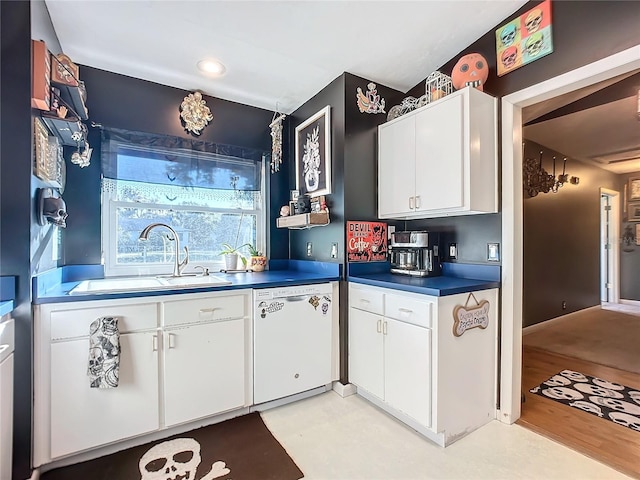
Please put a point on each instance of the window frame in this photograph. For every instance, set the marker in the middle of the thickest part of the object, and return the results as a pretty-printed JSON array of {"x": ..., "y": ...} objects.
[{"x": 109, "y": 231}]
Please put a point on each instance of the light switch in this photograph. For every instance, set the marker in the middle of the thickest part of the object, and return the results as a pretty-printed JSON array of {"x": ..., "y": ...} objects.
[{"x": 453, "y": 250}]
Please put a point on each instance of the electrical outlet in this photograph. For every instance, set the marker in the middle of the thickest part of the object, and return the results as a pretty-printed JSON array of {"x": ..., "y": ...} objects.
[
  {"x": 309, "y": 249},
  {"x": 564, "y": 304},
  {"x": 334, "y": 250},
  {"x": 453, "y": 250}
]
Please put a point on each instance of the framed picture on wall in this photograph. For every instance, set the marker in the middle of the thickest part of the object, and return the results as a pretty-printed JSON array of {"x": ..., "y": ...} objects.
[
  {"x": 634, "y": 212},
  {"x": 634, "y": 189},
  {"x": 313, "y": 154}
]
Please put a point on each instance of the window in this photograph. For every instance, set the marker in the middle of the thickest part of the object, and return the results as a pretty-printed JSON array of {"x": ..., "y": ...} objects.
[{"x": 208, "y": 198}]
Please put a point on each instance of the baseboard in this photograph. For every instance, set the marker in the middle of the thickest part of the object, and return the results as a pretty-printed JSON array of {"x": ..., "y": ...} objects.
[
  {"x": 344, "y": 390},
  {"x": 35, "y": 475},
  {"x": 635, "y": 303},
  {"x": 290, "y": 399}
]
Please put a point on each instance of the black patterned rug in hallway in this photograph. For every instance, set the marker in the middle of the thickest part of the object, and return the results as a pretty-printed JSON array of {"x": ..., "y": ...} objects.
[
  {"x": 611, "y": 401},
  {"x": 242, "y": 448}
]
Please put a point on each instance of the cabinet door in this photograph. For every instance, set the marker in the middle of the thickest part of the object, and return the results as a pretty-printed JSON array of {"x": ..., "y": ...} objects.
[
  {"x": 439, "y": 155},
  {"x": 396, "y": 167},
  {"x": 84, "y": 417},
  {"x": 204, "y": 370},
  {"x": 366, "y": 351},
  {"x": 407, "y": 369}
]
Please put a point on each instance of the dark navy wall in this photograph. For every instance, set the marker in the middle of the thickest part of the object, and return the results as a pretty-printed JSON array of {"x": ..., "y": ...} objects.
[
  {"x": 17, "y": 207},
  {"x": 133, "y": 104}
]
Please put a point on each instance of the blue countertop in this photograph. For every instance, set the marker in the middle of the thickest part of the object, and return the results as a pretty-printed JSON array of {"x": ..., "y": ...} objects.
[
  {"x": 455, "y": 278},
  {"x": 6, "y": 307},
  {"x": 54, "y": 286}
]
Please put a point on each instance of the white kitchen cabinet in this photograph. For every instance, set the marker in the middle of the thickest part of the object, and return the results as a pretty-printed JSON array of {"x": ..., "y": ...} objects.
[
  {"x": 440, "y": 159},
  {"x": 390, "y": 358},
  {"x": 405, "y": 358},
  {"x": 183, "y": 358},
  {"x": 83, "y": 417},
  {"x": 204, "y": 370}
]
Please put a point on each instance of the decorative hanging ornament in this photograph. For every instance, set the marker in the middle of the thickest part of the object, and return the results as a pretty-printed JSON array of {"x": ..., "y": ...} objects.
[
  {"x": 371, "y": 101},
  {"x": 276, "y": 141},
  {"x": 195, "y": 113}
]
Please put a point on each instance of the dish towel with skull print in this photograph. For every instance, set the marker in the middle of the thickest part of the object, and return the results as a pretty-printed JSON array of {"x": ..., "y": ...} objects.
[{"x": 104, "y": 353}]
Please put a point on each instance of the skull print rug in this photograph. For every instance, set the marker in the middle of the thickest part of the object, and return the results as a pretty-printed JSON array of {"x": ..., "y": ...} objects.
[
  {"x": 611, "y": 401},
  {"x": 242, "y": 448}
]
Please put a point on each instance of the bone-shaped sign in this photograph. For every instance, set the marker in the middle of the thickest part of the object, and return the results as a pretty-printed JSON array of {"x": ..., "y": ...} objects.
[{"x": 468, "y": 317}]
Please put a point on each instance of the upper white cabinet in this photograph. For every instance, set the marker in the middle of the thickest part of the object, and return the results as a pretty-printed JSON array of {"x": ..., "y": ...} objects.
[{"x": 440, "y": 159}]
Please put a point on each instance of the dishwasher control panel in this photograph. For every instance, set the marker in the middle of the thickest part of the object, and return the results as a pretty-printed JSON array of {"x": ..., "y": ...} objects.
[{"x": 299, "y": 290}]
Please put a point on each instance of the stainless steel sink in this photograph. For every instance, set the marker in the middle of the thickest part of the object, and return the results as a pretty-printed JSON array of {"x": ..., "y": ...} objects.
[{"x": 138, "y": 284}]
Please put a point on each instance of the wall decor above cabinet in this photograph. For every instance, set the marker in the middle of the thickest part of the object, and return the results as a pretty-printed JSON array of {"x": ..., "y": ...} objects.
[
  {"x": 59, "y": 94},
  {"x": 441, "y": 159}
]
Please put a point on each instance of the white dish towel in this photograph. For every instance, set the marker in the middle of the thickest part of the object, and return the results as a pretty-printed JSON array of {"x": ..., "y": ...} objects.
[{"x": 104, "y": 353}]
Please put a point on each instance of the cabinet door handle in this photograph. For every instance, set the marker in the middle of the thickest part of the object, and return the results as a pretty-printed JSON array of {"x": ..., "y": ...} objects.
[
  {"x": 379, "y": 327},
  {"x": 411, "y": 200},
  {"x": 208, "y": 311},
  {"x": 364, "y": 300},
  {"x": 405, "y": 310},
  {"x": 418, "y": 202},
  {"x": 154, "y": 342},
  {"x": 384, "y": 328},
  {"x": 172, "y": 340}
]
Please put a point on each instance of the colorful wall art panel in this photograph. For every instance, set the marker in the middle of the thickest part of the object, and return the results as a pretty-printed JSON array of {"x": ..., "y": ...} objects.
[{"x": 524, "y": 39}]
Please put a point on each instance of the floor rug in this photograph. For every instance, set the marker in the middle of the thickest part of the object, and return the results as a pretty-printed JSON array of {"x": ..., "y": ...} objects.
[
  {"x": 242, "y": 448},
  {"x": 607, "y": 400}
]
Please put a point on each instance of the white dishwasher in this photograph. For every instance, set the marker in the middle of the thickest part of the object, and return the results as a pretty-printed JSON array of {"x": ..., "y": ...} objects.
[{"x": 292, "y": 340}]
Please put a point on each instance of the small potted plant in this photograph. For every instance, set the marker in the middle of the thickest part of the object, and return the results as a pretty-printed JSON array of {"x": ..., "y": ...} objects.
[
  {"x": 258, "y": 261},
  {"x": 231, "y": 255}
]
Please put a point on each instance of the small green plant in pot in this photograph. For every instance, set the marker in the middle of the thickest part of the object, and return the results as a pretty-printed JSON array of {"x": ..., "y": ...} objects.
[
  {"x": 232, "y": 254},
  {"x": 258, "y": 261}
]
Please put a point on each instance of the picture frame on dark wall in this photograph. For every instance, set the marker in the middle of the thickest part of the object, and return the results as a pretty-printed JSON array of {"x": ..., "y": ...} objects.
[
  {"x": 634, "y": 189},
  {"x": 634, "y": 212},
  {"x": 313, "y": 154}
]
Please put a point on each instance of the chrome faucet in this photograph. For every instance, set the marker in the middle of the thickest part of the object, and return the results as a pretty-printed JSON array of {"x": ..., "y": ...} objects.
[{"x": 177, "y": 265}]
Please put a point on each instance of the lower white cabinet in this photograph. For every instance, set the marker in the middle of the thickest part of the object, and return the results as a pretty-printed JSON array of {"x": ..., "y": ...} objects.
[
  {"x": 405, "y": 358},
  {"x": 183, "y": 358}
]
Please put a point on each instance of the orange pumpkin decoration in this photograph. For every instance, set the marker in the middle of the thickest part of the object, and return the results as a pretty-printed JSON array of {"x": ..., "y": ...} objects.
[{"x": 472, "y": 69}]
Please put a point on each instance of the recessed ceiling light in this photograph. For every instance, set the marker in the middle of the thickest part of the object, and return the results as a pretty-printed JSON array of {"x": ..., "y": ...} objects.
[{"x": 211, "y": 67}]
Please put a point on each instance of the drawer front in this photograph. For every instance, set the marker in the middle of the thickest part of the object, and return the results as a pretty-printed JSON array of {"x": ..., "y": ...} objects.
[
  {"x": 75, "y": 323},
  {"x": 366, "y": 299},
  {"x": 204, "y": 309},
  {"x": 408, "y": 309}
]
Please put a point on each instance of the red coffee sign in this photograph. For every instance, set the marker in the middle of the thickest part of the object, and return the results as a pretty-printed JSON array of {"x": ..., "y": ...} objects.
[{"x": 366, "y": 241}]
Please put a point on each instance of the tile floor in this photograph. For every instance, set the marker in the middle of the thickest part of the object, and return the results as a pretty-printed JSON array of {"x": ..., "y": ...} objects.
[{"x": 335, "y": 438}]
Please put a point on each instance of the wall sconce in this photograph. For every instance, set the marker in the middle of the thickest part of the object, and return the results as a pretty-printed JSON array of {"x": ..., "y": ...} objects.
[{"x": 537, "y": 180}]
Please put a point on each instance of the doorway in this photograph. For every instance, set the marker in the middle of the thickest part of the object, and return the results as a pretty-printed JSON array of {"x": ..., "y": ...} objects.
[
  {"x": 609, "y": 246},
  {"x": 512, "y": 208}
]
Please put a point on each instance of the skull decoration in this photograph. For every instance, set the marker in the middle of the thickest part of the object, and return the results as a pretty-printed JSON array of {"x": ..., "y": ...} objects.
[
  {"x": 55, "y": 211},
  {"x": 170, "y": 460},
  {"x": 588, "y": 407},
  {"x": 471, "y": 70},
  {"x": 534, "y": 44},
  {"x": 509, "y": 57},
  {"x": 615, "y": 404},
  {"x": 603, "y": 383},
  {"x": 557, "y": 381},
  {"x": 575, "y": 376},
  {"x": 96, "y": 361},
  {"x": 533, "y": 20},
  {"x": 562, "y": 393},
  {"x": 596, "y": 390},
  {"x": 635, "y": 396},
  {"x": 508, "y": 34},
  {"x": 626, "y": 420},
  {"x": 109, "y": 325}
]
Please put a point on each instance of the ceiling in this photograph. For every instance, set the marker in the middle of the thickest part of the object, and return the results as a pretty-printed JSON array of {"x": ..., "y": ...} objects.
[
  {"x": 606, "y": 134},
  {"x": 278, "y": 54}
]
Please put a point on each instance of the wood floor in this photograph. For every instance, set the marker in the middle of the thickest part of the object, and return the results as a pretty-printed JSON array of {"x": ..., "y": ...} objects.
[{"x": 602, "y": 440}]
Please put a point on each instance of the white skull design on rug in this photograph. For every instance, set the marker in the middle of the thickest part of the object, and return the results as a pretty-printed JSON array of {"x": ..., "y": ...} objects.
[
  {"x": 608, "y": 400},
  {"x": 176, "y": 459}
]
